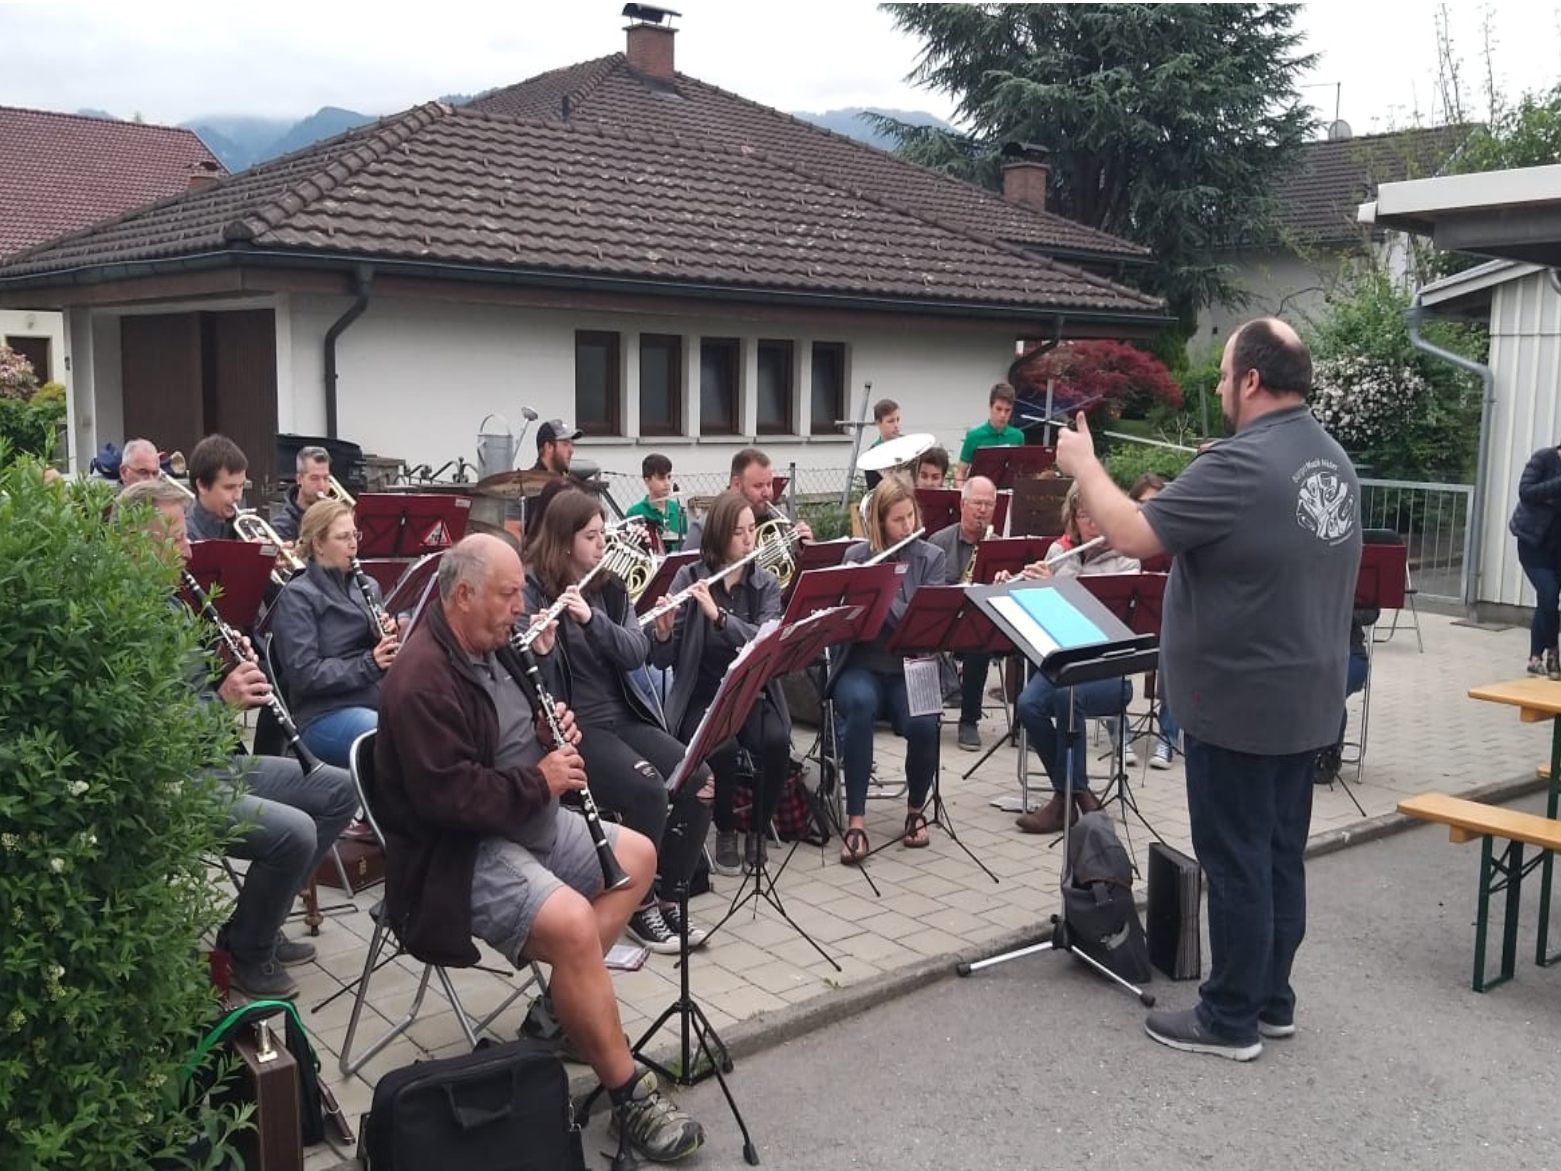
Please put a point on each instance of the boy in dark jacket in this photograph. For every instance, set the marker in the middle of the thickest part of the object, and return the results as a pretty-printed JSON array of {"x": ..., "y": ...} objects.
[{"x": 1536, "y": 523}]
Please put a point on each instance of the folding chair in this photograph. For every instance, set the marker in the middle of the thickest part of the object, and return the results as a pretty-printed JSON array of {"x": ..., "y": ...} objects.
[
  {"x": 361, "y": 766},
  {"x": 1394, "y": 537}
]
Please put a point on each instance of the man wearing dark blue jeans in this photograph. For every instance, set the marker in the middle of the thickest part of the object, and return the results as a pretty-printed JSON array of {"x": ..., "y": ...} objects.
[
  {"x": 1265, "y": 530},
  {"x": 977, "y": 505}
]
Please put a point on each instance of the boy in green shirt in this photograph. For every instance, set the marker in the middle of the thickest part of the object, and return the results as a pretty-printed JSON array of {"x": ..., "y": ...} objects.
[
  {"x": 658, "y": 507},
  {"x": 995, "y": 432},
  {"x": 886, "y": 414}
]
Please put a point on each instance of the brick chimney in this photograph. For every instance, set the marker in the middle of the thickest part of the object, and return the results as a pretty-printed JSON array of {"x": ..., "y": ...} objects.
[
  {"x": 650, "y": 34},
  {"x": 202, "y": 176},
  {"x": 1024, "y": 183}
]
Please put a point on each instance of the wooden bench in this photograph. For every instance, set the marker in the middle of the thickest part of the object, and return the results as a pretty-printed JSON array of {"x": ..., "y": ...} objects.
[{"x": 1468, "y": 820}]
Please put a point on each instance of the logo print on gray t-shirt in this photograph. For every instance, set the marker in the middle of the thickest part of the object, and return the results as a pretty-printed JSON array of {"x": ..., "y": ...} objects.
[{"x": 1322, "y": 503}]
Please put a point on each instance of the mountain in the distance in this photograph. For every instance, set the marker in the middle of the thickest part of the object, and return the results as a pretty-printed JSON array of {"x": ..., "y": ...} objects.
[
  {"x": 326, "y": 122},
  {"x": 242, "y": 141},
  {"x": 853, "y": 122}
]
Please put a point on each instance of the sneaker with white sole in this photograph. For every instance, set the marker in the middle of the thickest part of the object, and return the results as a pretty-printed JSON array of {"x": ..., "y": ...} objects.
[
  {"x": 728, "y": 860},
  {"x": 672, "y": 916},
  {"x": 1162, "y": 755},
  {"x": 970, "y": 738},
  {"x": 1183, "y": 1030},
  {"x": 655, "y": 1127},
  {"x": 649, "y": 928},
  {"x": 1273, "y": 1027},
  {"x": 1114, "y": 731}
]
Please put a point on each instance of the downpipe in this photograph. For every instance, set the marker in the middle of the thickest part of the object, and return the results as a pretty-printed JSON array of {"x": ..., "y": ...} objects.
[
  {"x": 362, "y": 280},
  {"x": 1475, "y": 531}
]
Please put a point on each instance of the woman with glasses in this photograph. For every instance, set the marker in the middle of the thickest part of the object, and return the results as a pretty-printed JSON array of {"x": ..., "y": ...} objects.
[
  {"x": 699, "y": 640},
  {"x": 327, "y": 649},
  {"x": 594, "y": 667}
]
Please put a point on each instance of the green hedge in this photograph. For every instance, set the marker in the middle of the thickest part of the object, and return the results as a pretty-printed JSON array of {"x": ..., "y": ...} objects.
[{"x": 31, "y": 428}]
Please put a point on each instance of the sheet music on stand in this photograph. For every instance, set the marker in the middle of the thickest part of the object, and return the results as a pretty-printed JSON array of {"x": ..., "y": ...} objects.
[{"x": 923, "y": 686}]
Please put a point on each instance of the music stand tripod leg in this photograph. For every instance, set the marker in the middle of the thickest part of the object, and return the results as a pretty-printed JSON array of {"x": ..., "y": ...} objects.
[{"x": 764, "y": 889}]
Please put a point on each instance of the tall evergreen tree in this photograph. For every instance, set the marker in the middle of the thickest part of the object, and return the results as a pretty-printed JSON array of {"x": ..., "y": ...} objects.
[{"x": 1167, "y": 124}]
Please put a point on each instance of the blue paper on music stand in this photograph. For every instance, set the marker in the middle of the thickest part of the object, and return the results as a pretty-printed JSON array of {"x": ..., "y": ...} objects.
[{"x": 1047, "y": 620}]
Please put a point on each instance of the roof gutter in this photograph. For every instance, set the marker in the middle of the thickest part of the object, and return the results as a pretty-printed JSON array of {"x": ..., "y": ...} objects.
[
  {"x": 362, "y": 280},
  {"x": 1475, "y": 530},
  {"x": 1555, "y": 278}
]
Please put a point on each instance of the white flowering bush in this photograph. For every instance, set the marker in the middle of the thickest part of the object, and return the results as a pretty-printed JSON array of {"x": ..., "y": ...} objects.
[
  {"x": 1364, "y": 400},
  {"x": 18, "y": 381},
  {"x": 107, "y": 812}
]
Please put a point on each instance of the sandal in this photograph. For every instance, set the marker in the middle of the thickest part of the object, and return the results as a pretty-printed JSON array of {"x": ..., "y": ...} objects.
[
  {"x": 915, "y": 836},
  {"x": 854, "y": 848}
]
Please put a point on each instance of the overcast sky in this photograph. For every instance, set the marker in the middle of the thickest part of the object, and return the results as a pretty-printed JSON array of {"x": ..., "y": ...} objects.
[{"x": 172, "y": 60}]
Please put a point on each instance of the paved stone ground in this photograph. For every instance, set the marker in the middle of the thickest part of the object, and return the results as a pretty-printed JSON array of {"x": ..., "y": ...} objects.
[{"x": 759, "y": 981}]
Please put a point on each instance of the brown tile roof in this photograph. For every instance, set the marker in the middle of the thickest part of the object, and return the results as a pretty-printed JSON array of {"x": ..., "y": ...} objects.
[
  {"x": 549, "y": 200},
  {"x": 1318, "y": 202},
  {"x": 607, "y": 90},
  {"x": 61, "y": 172}
]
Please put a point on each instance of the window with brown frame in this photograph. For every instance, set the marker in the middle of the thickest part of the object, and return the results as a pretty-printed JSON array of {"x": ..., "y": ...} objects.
[
  {"x": 719, "y": 365},
  {"x": 829, "y": 387},
  {"x": 598, "y": 383},
  {"x": 661, "y": 384},
  {"x": 36, "y": 351},
  {"x": 777, "y": 378}
]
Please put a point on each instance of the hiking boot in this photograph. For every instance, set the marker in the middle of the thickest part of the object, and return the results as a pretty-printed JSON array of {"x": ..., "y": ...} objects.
[
  {"x": 648, "y": 927},
  {"x": 291, "y": 952},
  {"x": 263, "y": 981},
  {"x": 1162, "y": 755},
  {"x": 1047, "y": 819},
  {"x": 1086, "y": 801},
  {"x": 1552, "y": 665},
  {"x": 969, "y": 738},
  {"x": 1268, "y": 1026},
  {"x": 1183, "y": 1030},
  {"x": 1536, "y": 665},
  {"x": 672, "y": 916},
  {"x": 727, "y": 860},
  {"x": 655, "y": 1127}
]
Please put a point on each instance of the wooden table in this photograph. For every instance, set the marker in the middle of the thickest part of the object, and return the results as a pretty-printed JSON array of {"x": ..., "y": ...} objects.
[{"x": 1536, "y": 700}]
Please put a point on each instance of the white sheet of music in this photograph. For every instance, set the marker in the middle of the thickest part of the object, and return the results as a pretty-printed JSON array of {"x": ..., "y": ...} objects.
[{"x": 923, "y": 686}]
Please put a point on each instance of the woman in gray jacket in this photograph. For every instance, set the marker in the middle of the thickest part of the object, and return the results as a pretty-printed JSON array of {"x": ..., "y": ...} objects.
[
  {"x": 699, "y": 640},
  {"x": 326, "y": 645}
]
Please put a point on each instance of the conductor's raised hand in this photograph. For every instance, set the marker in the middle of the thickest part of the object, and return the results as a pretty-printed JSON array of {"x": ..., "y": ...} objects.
[
  {"x": 564, "y": 770},
  {"x": 1076, "y": 448}
]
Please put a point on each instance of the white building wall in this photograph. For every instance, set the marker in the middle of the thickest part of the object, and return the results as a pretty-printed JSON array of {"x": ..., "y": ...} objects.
[
  {"x": 1525, "y": 360},
  {"x": 416, "y": 378}
]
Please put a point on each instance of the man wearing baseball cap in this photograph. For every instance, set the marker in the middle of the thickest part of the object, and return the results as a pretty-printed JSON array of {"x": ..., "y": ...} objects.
[{"x": 556, "y": 446}]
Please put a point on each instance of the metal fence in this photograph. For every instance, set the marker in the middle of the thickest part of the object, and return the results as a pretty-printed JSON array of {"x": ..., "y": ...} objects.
[
  {"x": 1434, "y": 520},
  {"x": 810, "y": 485}
]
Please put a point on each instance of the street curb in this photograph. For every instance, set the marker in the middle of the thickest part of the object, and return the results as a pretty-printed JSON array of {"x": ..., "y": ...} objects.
[{"x": 769, "y": 1029}]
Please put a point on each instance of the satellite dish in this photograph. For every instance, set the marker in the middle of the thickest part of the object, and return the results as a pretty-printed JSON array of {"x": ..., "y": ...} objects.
[{"x": 1339, "y": 131}]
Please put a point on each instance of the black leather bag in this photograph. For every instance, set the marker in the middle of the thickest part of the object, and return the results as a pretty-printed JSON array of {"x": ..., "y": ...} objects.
[{"x": 500, "y": 1108}]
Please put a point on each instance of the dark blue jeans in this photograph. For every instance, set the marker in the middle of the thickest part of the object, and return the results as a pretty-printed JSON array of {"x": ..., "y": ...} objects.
[
  {"x": 1043, "y": 711},
  {"x": 330, "y": 737},
  {"x": 1539, "y": 565},
  {"x": 862, "y": 697},
  {"x": 972, "y": 683},
  {"x": 1250, "y": 815}
]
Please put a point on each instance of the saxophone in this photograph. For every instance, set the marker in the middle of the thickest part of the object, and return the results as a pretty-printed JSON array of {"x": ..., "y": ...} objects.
[{"x": 969, "y": 576}]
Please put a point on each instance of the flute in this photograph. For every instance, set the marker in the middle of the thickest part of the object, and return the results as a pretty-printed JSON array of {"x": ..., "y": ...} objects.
[
  {"x": 235, "y": 650},
  {"x": 523, "y": 641},
  {"x": 1076, "y": 551},
  {"x": 543, "y": 703},
  {"x": 894, "y": 548},
  {"x": 687, "y": 592}
]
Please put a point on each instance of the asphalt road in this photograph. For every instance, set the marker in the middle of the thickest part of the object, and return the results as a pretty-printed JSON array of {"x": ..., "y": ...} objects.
[{"x": 1039, "y": 1063}]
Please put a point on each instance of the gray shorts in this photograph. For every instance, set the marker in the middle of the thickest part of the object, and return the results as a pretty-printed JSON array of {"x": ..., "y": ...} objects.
[{"x": 510, "y": 882}]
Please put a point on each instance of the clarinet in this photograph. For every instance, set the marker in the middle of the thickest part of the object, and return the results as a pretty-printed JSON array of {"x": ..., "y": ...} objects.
[
  {"x": 542, "y": 703},
  {"x": 235, "y": 651},
  {"x": 376, "y": 611}
]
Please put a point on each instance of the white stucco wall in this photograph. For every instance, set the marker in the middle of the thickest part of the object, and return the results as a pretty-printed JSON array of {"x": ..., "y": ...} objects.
[
  {"x": 1526, "y": 363},
  {"x": 416, "y": 379}
]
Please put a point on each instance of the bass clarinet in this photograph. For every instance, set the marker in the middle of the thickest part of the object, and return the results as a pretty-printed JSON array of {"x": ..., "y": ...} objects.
[
  {"x": 233, "y": 646},
  {"x": 542, "y": 703}
]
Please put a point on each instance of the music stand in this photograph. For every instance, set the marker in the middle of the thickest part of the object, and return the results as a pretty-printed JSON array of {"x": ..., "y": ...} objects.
[
  {"x": 940, "y": 618},
  {"x": 412, "y": 592},
  {"x": 1004, "y": 465},
  {"x": 236, "y": 575},
  {"x": 1072, "y": 638},
  {"x": 813, "y": 555},
  {"x": 1379, "y": 585},
  {"x": 661, "y": 580},
  {"x": 404, "y": 524}
]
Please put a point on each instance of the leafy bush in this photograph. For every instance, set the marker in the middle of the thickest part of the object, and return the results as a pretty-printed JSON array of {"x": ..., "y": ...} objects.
[
  {"x": 827, "y": 520},
  {"x": 30, "y": 428},
  {"x": 17, "y": 378},
  {"x": 108, "y": 808},
  {"x": 50, "y": 392},
  {"x": 1127, "y": 461},
  {"x": 1126, "y": 380}
]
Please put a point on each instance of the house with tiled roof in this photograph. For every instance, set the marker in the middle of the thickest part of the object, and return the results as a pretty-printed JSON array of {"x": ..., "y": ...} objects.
[
  {"x": 665, "y": 264},
  {"x": 63, "y": 172},
  {"x": 1318, "y": 237}
]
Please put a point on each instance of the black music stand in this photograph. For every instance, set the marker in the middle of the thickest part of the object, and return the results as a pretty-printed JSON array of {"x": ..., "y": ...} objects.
[
  {"x": 1004, "y": 465},
  {"x": 780, "y": 652},
  {"x": 236, "y": 575},
  {"x": 1136, "y": 599},
  {"x": 1066, "y": 632},
  {"x": 407, "y": 524},
  {"x": 413, "y": 590},
  {"x": 813, "y": 555},
  {"x": 939, "y": 618},
  {"x": 661, "y": 580}
]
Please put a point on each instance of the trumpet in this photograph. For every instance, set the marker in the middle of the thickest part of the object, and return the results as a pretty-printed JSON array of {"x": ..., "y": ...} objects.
[
  {"x": 522, "y": 640},
  {"x": 181, "y": 485},
  {"x": 970, "y": 566},
  {"x": 251, "y": 526},
  {"x": 334, "y": 491},
  {"x": 687, "y": 592}
]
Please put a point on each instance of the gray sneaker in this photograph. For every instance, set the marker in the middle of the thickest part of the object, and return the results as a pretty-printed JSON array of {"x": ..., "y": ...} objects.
[
  {"x": 727, "y": 860},
  {"x": 1184, "y": 1031},
  {"x": 1552, "y": 665},
  {"x": 656, "y": 1128},
  {"x": 970, "y": 738},
  {"x": 263, "y": 981},
  {"x": 291, "y": 952}
]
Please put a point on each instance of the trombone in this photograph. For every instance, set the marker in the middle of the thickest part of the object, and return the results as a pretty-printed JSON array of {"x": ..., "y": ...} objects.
[
  {"x": 251, "y": 526},
  {"x": 335, "y": 491}
]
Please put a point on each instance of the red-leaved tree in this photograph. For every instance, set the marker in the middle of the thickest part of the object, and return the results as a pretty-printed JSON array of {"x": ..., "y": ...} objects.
[{"x": 1107, "y": 379}]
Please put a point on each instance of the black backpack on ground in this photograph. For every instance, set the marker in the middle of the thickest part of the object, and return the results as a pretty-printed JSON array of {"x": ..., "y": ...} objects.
[
  {"x": 501, "y": 1108},
  {"x": 1097, "y": 900}
]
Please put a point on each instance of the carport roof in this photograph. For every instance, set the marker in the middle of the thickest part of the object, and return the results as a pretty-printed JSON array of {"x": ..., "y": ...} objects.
[{"x": 1510, "y": 215}]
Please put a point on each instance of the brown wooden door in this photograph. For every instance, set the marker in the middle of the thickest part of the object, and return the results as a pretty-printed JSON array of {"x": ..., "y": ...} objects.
[
  {"x": 160, "y": 358},
  {"x": 240, "y": 398}
]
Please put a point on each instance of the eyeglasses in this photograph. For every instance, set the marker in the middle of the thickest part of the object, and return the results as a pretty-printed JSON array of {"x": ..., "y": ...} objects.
[
  {"x": 144, "y": 473},
  {"x": 353, "y": 536}
]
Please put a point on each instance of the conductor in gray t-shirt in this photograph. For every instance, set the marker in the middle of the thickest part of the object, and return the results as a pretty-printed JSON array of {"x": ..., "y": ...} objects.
[{"x": 1265, "y": 531}]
